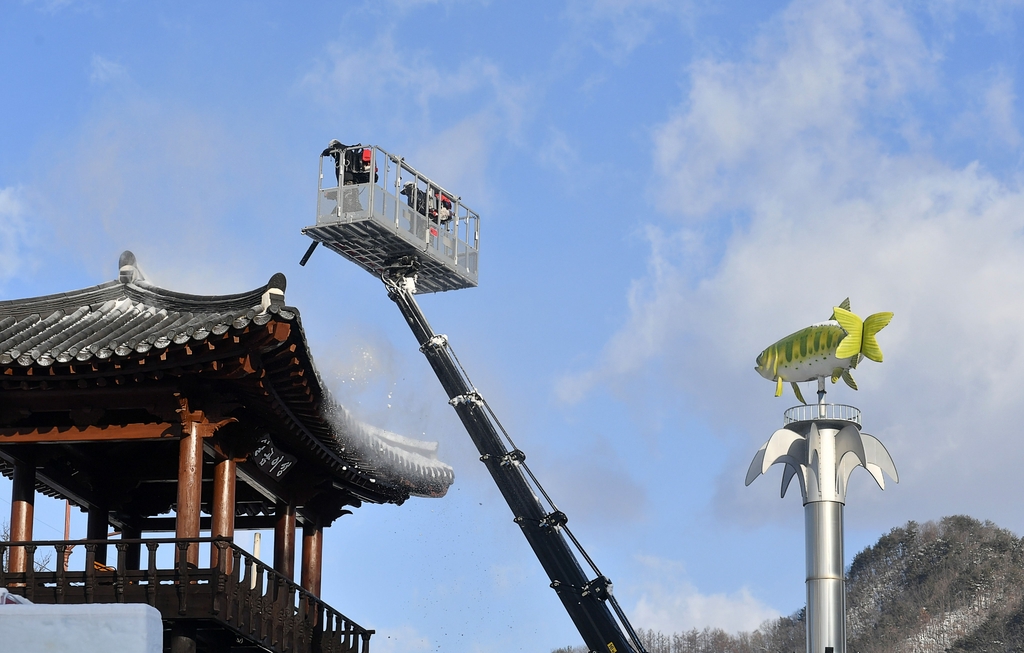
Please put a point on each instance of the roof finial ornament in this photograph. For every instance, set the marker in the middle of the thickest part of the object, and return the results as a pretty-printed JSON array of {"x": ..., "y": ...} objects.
[
  {"x": 274, "y": 295},
  {"x": 128, "y": 268}
]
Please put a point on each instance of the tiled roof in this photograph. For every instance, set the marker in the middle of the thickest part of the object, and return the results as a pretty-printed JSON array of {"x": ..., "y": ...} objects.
[{"x": 129, "y": 317}]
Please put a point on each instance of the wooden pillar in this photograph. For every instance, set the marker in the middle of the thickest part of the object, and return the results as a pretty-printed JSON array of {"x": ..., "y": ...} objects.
[
  {"x": 190, "y": 487},
  {"x": 194, "y": 427},
  {"x": 23, "y": 495},
  {"x": 312, "y": 556},
  {"x": 284, "y": 540},
  {"x": 98, "y": 526},
  {"x": 223, "y": 505},
  {"x": 133, "y": 555}
]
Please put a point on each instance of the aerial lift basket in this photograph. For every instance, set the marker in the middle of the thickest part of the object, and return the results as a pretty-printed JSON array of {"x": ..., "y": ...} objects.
[{"x": 374, "y": 209}]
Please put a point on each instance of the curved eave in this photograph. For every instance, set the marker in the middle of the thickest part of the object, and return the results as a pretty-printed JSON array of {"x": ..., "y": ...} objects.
[
  {"x": 304, "y": 401},
  {"x": 116, "y": 322}
]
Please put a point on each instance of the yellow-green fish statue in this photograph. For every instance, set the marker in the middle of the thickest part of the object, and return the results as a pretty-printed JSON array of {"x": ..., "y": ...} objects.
[{"x": 828, "y": 349}]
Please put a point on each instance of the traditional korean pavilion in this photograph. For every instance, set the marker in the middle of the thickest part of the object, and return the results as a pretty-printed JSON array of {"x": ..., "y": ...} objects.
[{"x": 165, "y": 415}]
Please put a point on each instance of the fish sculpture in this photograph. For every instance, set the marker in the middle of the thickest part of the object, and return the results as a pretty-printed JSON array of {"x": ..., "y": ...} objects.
[{"x": 829, "y": 349}]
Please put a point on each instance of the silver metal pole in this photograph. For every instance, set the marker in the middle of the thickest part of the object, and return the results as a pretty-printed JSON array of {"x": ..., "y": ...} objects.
[
  {"x": 398, "y": 195},
  {"x": 826, "y": 584},
  {"x": 372, "y": 182}
]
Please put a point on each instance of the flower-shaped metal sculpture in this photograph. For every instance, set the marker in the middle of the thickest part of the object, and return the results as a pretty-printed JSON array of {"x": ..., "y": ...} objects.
[
  {"x": 823, "y": 459},
  {"x": 821, "y": 446}
]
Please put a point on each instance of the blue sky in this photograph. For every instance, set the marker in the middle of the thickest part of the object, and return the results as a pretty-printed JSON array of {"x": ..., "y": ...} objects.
[{"x": 665, "y": 189}]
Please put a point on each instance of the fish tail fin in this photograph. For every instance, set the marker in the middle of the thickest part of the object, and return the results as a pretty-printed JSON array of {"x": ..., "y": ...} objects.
[
  {"x": 849, "y": 379},
  {"x": 854, "y": 329},
  {"x": 872, "y": 325},
  {"x": 799, "y": 395},
  {"x": 778, "y": 387},
  {"x": 845, "y": 305}
]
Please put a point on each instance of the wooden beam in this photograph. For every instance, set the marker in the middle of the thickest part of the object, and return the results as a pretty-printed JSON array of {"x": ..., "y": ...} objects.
[
  {"x": 58, "y": 485},
  {"x": 279, "y": 331},
  {"x": 166, "y": 524},
  {"x": 71, "y": 434},
  {"x": 258, "y": 480},
  {"x": 95, "y": 370},
  {"x": 153, "y": 396}
]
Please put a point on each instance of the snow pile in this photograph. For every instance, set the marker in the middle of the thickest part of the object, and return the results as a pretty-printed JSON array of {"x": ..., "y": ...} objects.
[{"x": 96, "y": 628}]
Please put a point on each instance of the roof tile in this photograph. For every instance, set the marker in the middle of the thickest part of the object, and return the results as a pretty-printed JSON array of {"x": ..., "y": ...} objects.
[{"x": 117, "y": 318}]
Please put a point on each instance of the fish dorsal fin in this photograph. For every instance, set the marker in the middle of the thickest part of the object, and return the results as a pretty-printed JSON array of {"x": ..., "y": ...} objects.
[
  {"x": 845, "y": 305},
  {"x": 872, "y": 325},
  {"x": 796, "y": 391},
  {"x": 854, "y": 329}
]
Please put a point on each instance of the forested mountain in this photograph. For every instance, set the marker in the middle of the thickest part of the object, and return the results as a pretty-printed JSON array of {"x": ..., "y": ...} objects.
[{"x": 954, "y": 585}]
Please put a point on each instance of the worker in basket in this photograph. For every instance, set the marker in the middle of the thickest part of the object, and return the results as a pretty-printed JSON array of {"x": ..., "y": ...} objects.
[
  {"x": 354, "y": 160},
  {"x": 351, "y": 167},
  {"x": 432, "y": 203}
]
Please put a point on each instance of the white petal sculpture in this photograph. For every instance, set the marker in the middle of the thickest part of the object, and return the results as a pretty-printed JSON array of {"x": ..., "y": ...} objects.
[{"x": 821, "y": 445}]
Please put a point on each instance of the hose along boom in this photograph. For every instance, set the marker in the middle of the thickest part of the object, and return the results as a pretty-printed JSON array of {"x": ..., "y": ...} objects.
[{"x": 586, "y": 600}]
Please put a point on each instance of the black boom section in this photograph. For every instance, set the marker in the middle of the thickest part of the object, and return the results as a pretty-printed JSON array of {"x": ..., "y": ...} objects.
[{"x": 586, "y": 601}]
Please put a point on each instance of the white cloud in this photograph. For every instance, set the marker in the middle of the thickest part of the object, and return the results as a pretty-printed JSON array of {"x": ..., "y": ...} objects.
[
  {"x": 159, "y": 179},
  {"x": 438, "y": 111},
  {"x": 989, "y": 117},
  {"x": 748, "y": 127},
  {"x": 592, "y": 486},
  {"x": 410, "y": 5},
  {"x": 104, "y": 71},
  {"x": 615, "y": 28},
  {"x": 55, "y": 6},
  {"x": 386, "y": 73},
  {"x": 996, "y": 15},
  {"x": 466, "y": 173},
  {"x": 829, "y": 208},
  {"x": 671, "y": 604},
  {"x": 1000, "y": 103},
  {"x": 13, "y": 233}
]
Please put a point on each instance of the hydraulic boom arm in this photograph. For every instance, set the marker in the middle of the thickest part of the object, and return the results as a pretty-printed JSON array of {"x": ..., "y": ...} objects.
[{"x": 587, "y": 601}]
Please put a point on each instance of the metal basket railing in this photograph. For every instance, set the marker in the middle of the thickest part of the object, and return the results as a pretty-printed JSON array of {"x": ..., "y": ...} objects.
[
  {"x": 812, "y": 412},
  {"x": 392, "y": 192}
]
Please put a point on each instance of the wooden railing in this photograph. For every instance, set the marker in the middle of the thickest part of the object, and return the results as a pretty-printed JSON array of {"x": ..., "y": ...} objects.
[{"x": 239, "y": 591}]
